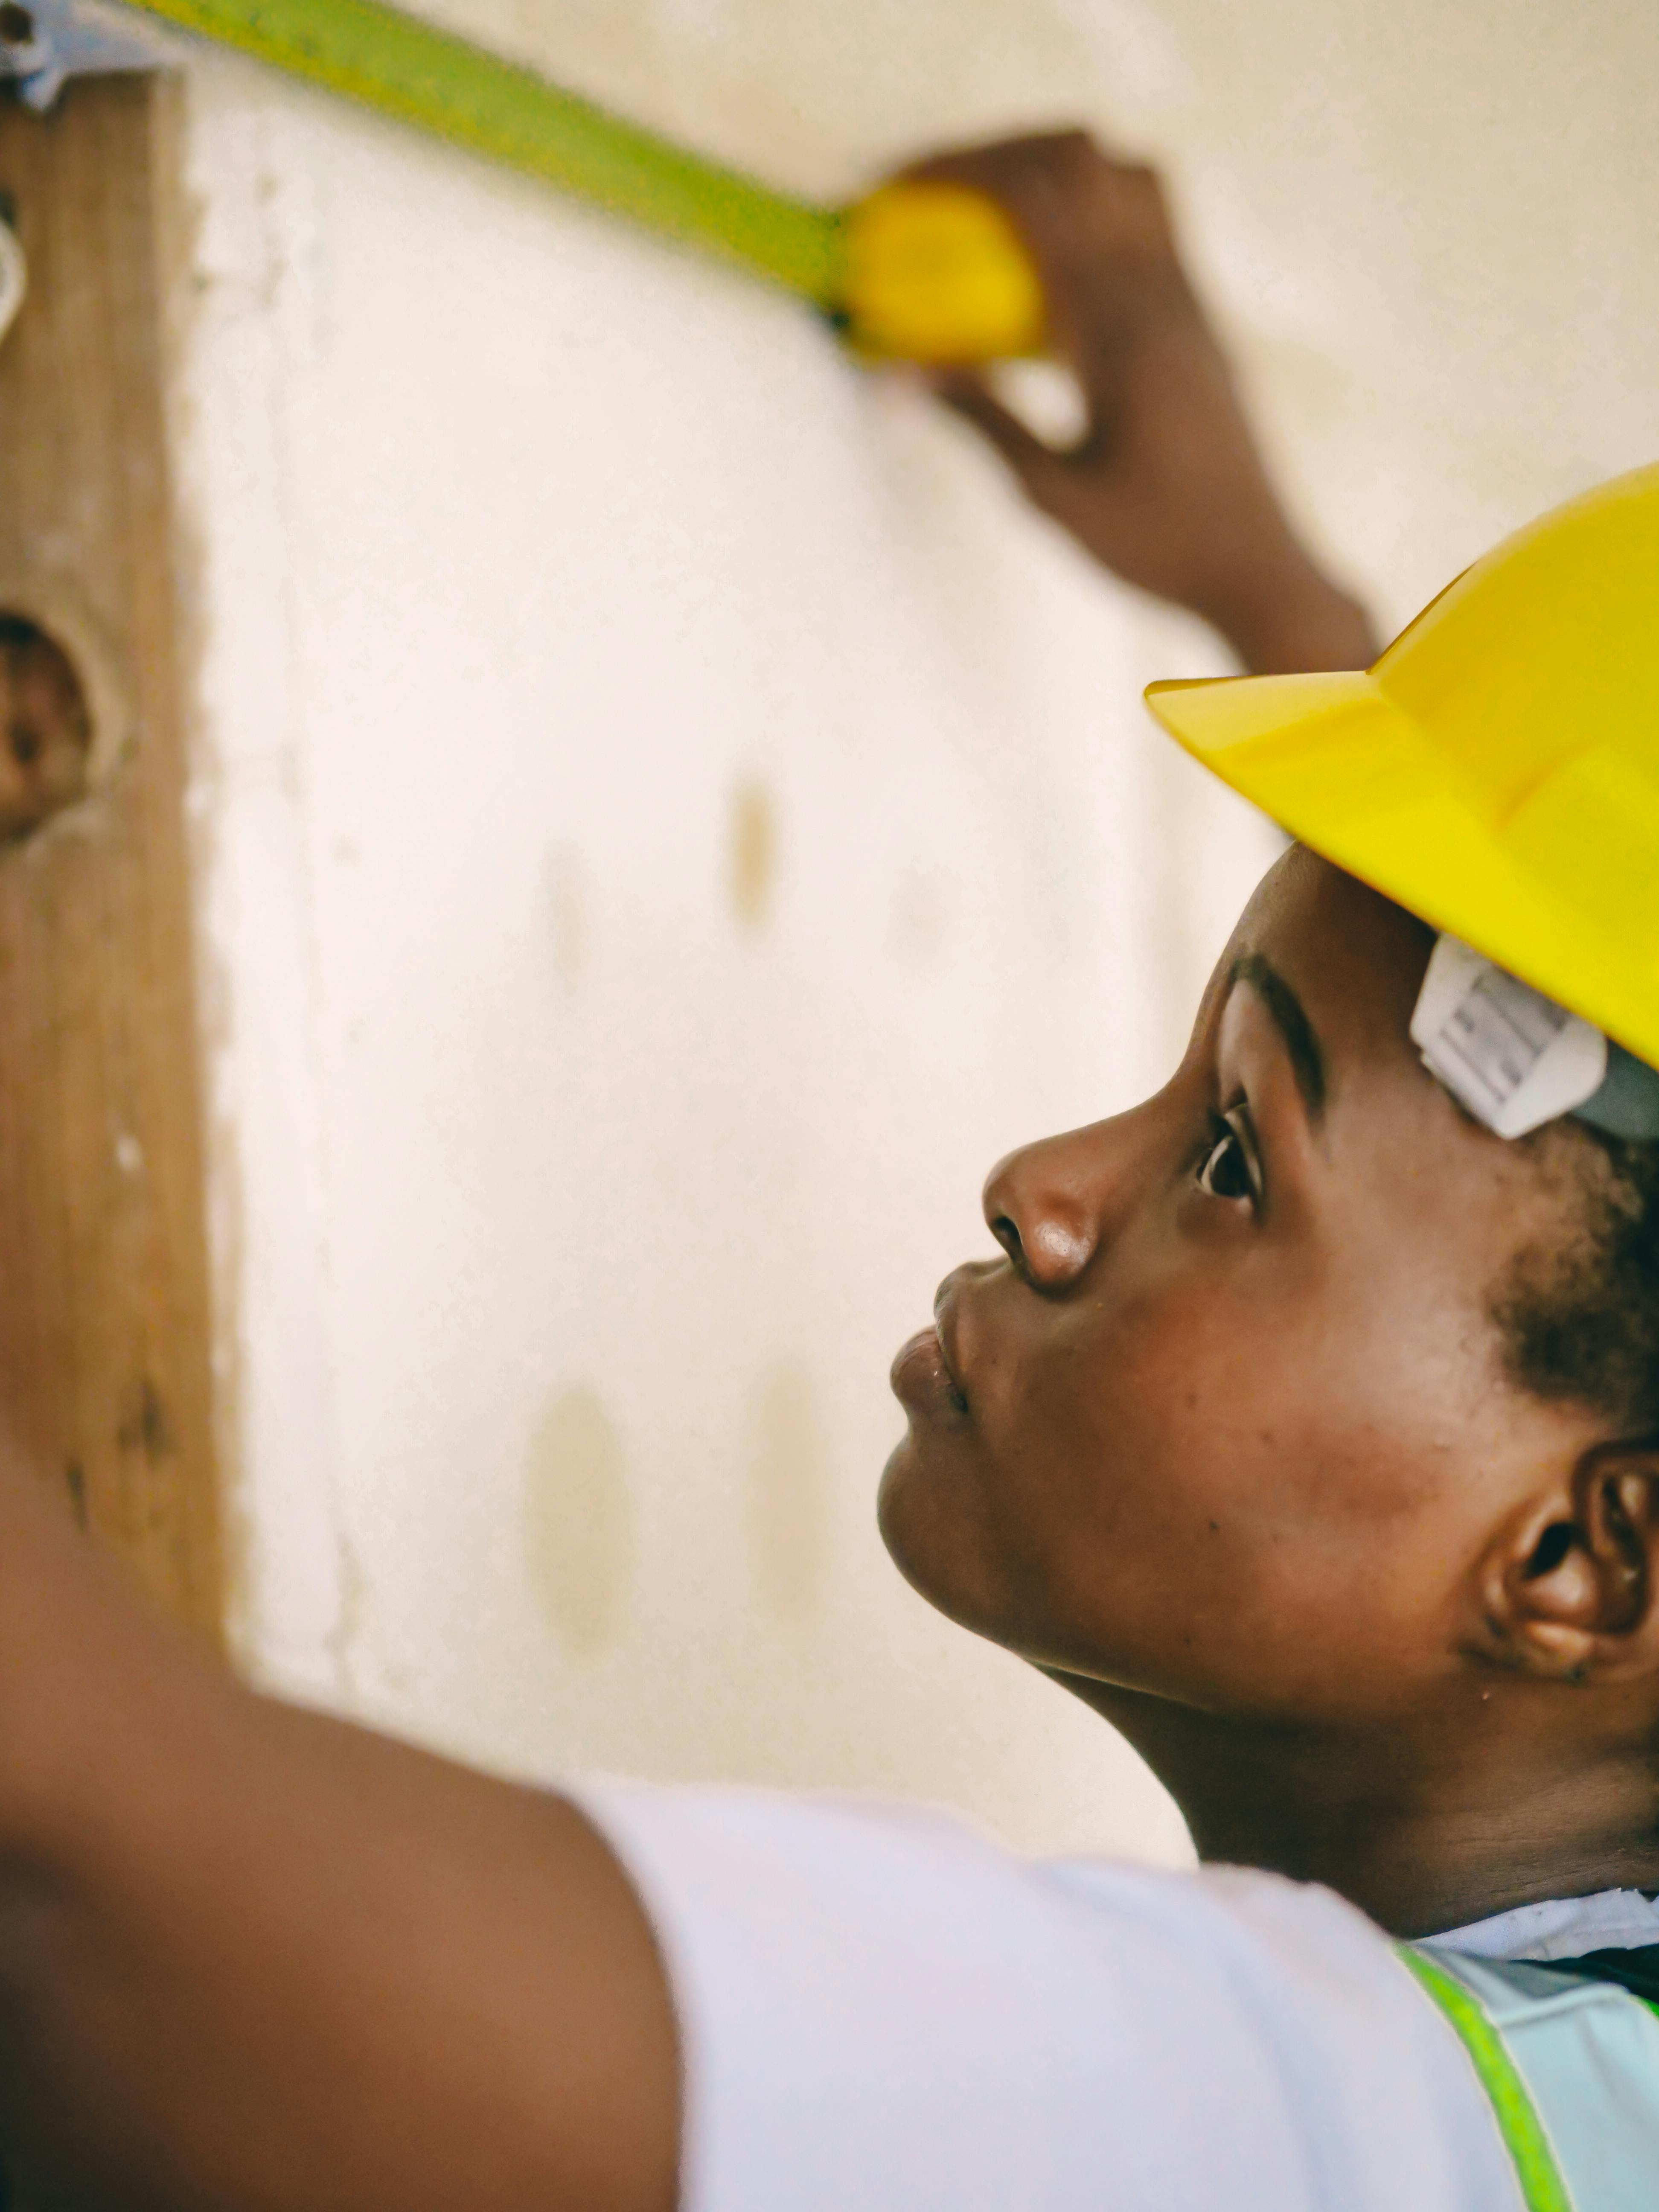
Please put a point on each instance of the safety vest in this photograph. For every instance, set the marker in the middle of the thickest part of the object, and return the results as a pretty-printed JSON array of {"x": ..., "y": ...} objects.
[{"x": 1571, "y": 2062}]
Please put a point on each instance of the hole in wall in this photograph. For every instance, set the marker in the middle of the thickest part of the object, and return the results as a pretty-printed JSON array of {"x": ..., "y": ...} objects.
[{"x": 46, "y": 727}]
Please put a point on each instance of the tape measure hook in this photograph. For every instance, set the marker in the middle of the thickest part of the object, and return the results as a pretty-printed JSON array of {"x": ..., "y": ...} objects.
[{"x": 43, "y": 43}]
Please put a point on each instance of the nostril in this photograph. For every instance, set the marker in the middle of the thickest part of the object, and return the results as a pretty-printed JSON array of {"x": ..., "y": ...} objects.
[
  {"x": 1003, "y": 1229},
  {"x": 1552, "y": 1548}
]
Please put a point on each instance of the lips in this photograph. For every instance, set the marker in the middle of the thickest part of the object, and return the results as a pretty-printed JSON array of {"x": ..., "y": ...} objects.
[
  {"x": 928, "y": 1367},
  {"x": 921, "y": 1378},
  {"x": 948, "y": 1363},
  {"x": 945, "y": 1333}
]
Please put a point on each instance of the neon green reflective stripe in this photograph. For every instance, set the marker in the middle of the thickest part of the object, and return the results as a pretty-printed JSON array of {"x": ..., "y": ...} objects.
[
  {"x": 1517, "y": 2117},
  {"x": 445, "y": 85}
]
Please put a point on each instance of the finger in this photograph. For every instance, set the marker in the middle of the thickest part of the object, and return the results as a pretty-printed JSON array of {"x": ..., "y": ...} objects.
[
  {"x": 1036, "y": 465},
  {"x": 1082, "y": 209},
  {"x": 998, "y": 163},
  {"x": 1041, "y": 182},
  {"x": 1088, "y": 219},
  {"x": 1065, "y": 189}
]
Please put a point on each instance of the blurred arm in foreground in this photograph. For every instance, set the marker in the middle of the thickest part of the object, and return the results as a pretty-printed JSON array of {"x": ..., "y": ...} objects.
[
  {"x": 253, "y": 1957},
  {"x": 1165, "y": 486}
]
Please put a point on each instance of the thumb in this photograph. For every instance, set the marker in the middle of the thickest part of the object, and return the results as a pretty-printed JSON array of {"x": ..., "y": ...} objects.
[{"x": 1036, "y": 466}]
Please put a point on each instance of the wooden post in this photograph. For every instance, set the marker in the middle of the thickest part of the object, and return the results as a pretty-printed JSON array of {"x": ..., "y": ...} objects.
[{"x": 106, "y": 1375}]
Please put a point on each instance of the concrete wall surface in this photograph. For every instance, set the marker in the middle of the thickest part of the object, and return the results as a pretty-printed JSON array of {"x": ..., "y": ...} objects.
[{"x": 668, "y": 820}]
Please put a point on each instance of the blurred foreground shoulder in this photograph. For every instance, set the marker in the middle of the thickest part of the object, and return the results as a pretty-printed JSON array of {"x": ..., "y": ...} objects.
[{"x": 879, "y": 2006}]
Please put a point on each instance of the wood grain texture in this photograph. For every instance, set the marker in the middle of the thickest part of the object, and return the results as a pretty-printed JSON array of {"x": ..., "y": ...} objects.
[{"x": 105, "y": 1373}]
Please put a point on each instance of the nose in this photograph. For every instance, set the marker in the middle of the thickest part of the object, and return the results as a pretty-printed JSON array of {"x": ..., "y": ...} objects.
[{"x": 1051, "y": 1205}]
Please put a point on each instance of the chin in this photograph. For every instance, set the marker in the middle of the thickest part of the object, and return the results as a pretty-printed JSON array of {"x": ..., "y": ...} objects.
[
  {"x": 939, "y": 1518},
  {"x": 927, "y": 1519}
]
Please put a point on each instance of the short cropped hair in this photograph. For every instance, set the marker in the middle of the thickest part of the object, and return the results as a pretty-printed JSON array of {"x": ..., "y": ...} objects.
[{"x": 1580, "y": 1323}]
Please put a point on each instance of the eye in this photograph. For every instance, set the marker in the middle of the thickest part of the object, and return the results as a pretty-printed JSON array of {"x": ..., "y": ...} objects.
[{"x": 1230, "y": 1167}]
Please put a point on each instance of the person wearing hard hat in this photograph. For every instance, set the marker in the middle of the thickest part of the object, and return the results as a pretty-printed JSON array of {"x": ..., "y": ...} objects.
[{"x": 1306, "y": 1426}]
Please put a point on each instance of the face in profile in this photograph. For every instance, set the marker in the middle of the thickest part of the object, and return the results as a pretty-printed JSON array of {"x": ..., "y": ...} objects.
[{"x": 1229, "y": 1420}]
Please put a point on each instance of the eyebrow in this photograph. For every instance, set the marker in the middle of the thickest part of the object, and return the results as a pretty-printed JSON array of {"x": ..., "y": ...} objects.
[{"x": 1291, "y": 1020}]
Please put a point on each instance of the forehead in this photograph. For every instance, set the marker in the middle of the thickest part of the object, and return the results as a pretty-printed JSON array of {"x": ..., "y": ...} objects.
[{"x": 1354, "y": 958}]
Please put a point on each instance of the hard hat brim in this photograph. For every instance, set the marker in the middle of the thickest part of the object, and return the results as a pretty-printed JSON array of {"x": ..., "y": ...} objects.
[{"x": 1347, "y": 772}]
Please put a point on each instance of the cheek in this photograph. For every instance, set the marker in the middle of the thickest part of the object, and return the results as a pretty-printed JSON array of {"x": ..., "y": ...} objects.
[
  {"x": 1214, "y": 1492},
  {"x": 1239, "y": 1480},
  {"x": 1111, "y": 1448}
]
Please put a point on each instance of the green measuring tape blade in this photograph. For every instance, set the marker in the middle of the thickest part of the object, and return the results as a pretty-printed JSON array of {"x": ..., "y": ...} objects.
[{"x": 455, "y": 90}]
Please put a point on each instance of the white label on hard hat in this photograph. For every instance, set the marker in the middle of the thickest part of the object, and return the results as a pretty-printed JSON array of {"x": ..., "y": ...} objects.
[{"x": 1510, "y": 1054}]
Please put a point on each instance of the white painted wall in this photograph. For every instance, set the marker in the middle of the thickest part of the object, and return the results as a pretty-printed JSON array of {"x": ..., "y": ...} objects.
[{"x": 668, "y": 820}]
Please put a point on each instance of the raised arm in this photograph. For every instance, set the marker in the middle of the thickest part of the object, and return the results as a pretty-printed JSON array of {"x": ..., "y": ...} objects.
[
  {"x": 250, "y": 1956},
  {"x": 1165, "y": 486}
]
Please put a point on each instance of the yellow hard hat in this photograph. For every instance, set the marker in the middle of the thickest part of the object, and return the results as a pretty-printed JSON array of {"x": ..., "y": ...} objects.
[{"x": 1497, "y": 772}]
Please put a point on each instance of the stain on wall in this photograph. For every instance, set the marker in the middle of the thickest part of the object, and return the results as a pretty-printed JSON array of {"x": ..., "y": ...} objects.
[
  {"x": 567, "y": 904},
  {"x": 752, "y": 855},
  {"x": 789, "y": 1493},
  {"x": 579, "y": 1522},
  {"x": 919, "y": 923}
]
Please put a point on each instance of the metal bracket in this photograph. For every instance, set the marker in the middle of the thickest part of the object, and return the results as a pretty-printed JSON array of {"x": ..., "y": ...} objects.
[{"x": 43, "y": 42}]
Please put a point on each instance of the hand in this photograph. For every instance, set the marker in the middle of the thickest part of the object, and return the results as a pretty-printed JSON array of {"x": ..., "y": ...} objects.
[{"x": 1165, "y": 486}]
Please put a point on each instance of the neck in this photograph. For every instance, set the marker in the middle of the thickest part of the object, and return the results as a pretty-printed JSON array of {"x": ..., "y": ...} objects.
[{"x": 1425, "y": 1825}]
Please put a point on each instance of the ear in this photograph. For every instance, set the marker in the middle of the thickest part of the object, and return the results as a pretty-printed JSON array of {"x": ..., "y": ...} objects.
[{"x": 1570, "y": 1589}]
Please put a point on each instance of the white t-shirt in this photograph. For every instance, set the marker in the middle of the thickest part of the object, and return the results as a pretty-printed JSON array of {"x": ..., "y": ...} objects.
[
  {"x": 882, "y": 2011},
  {"x": 1559, "y": 1928}
]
